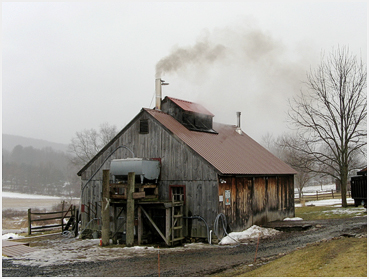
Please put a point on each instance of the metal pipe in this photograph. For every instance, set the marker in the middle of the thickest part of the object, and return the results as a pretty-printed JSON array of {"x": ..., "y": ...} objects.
[
  {"x": 94, "y": 219},
  {"x": 158, "y": 93},
  {"x": 202, "y": 219},
  {"x": 238, "y": 129},
  {"x": 238, "y": 119},
  {"x": 223, "y": 218}
]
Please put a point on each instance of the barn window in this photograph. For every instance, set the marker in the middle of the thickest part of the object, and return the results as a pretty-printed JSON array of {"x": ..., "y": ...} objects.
[
  {"x": 144, "y": 126},
  {"x": 178, "y": 192}
]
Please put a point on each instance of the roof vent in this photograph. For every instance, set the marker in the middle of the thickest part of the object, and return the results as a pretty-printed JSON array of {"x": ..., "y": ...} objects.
[{"x": 238, "y": 129}]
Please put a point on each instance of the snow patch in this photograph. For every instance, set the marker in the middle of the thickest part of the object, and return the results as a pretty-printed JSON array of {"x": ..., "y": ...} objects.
[
  {"x": 13, "y": 195},
  {"x": 349, "y": 211},
  {"x": 251, "y": 233},
  {"x": 11, "y": 236},
  {"x": 326, "y": 202},
  {"x": 293, "y": 219}
]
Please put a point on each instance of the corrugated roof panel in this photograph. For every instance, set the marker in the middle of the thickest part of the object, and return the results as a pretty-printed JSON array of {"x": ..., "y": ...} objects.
[
  {"x": 228, "y": 151},
  {"x": 189, "y": 106}
]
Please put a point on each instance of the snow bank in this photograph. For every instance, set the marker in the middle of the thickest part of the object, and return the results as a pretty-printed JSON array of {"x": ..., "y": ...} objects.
[
  {"x": 11, "y": 236},
  {"x": 251, "y": 233}
]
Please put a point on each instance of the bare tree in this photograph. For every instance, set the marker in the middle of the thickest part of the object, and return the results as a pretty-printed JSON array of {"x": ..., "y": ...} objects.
[
  {"x": 330, "y": 115},
  {"x": 282, "y": 148},
  {"x": 300, "y": 161},
  {"x": 88, "y": 143}
]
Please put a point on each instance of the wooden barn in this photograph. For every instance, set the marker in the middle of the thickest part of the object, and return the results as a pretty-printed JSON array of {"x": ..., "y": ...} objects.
[{"x": 208, "y": 168}]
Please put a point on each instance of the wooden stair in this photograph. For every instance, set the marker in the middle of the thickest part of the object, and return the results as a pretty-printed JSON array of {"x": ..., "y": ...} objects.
[{"x": 177, "y": 218}]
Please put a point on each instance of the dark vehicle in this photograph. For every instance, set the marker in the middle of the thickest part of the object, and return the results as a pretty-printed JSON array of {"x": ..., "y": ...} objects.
[{"x": 359, "y": 187}]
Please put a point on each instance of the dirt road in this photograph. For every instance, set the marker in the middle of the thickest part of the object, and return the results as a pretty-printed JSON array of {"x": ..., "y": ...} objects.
[{"x": 197, "y": 262}]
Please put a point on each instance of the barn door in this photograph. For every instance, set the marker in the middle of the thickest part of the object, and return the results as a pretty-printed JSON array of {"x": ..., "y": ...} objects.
[{"x": 235, "y": 201}]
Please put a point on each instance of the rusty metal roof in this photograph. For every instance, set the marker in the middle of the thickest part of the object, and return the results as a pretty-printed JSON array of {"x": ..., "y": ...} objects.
[
  {"x": 190, "y": 106},
  {"x": 13, "y": 248},
  {"x": 228, "y": 151}
]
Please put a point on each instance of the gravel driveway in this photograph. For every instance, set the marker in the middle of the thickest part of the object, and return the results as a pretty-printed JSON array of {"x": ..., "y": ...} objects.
[{"x": 202, "y": 261}]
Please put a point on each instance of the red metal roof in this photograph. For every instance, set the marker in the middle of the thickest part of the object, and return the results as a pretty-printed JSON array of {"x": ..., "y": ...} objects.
[
  {"x": 189, "y": 106},
  {"x": 228, "y": 151}
]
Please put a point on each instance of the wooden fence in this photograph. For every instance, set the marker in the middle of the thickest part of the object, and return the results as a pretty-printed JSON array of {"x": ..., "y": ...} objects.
[
  {"x": 320, "y": 195},
  {"x": 59, "y": 216}
]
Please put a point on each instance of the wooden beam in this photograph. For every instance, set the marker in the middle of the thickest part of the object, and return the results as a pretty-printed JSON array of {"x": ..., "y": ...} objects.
[
  {"x": 167, "y": 224},
  {"x": 138, "y": 195},
  {"x": 130, "y": 229},
  {"x": 139, "y": 226},
  {"x": 29, "y": 221},
  {"x": 105, "y": 209},
  {"x": 115, "y": 240},
  {"x": 153, "y": 223}
]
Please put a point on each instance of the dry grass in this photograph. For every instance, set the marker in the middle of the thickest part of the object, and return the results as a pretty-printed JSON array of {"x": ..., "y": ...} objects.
[
  {"x": 344, "y": 257},
  {"x": 328, "y": 212},
  {"x": 17, "y": 219}
]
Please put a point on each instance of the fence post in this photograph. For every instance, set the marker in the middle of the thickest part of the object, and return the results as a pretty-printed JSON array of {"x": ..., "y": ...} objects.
[
  {"x": 29, "y": 221},
  {"x": 332, "y": 194},
  {"x": 62, "y": 223},
  {"x": 317, "y": 197}
]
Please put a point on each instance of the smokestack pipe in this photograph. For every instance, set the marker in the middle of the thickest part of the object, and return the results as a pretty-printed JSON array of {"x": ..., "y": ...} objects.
[
  {"x": 238, "y": 129},
  {"x": 158, "y": 83},
  {"x": 158, "y": 93}
]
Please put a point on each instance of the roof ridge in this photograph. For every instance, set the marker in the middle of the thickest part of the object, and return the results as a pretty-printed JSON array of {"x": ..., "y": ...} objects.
[{"x": 172, "y": 98}]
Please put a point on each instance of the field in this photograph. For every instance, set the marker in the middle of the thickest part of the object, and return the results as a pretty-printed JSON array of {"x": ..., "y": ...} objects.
[
  {"x": 15, "y": 206},
  {"x": 340, "y": 256}
]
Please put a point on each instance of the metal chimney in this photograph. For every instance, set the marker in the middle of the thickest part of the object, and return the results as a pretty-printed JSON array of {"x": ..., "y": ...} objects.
[
  {"x": 238, "y": 129},
  {"x": 158, "y": 83}
]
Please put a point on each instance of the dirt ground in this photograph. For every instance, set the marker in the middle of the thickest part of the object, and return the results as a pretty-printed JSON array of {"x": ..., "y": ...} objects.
[{"x": 202, "y": 260}]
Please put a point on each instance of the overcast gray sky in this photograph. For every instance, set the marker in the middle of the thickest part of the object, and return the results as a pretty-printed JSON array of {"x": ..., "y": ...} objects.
[{"x": 72, "y": 66}]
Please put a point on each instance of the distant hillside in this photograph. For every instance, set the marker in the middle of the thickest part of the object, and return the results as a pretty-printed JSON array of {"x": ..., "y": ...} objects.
[{"x": 10, "y": 141}]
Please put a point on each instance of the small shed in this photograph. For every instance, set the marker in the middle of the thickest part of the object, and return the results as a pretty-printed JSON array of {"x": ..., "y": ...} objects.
[{"x": 215, "y": 168}]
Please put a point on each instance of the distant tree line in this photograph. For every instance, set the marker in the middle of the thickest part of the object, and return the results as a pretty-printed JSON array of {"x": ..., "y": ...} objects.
[{"x": 38, "y": 171}]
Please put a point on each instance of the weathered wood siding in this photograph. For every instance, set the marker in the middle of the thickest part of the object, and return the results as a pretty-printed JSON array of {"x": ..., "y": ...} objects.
[
  {"x": 256, "y": 200},
  {"x": 180, "y": 166}
]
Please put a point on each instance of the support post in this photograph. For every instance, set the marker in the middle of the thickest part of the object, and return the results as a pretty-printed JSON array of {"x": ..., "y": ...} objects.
[
  {"x": 168, "y": 219},
  {"x": 29, "y": 221},
  {"x": 130, "y": 210},
  {"x": 139, "y": 226},
  {"x": 105, "y": 209},
  {"x": 115, "y": 236}
]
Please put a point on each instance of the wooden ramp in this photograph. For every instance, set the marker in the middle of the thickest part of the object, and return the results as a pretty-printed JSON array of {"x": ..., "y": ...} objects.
[{"x": 13, "y": 248}]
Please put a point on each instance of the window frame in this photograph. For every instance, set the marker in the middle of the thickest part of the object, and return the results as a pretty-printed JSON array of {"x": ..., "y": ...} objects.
[{"x": 177, "y": 186}]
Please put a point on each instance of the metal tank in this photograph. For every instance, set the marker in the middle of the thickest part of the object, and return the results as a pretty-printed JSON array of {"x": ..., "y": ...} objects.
[{"x": 145, "y": 168}]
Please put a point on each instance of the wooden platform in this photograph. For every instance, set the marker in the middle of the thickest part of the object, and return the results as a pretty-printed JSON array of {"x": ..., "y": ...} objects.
[
  {"x": 14, "y": 248},
  {"x": 118, "y": 191},
  {"x": 290, "y": 225}
]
